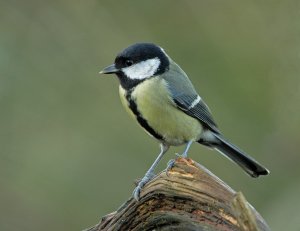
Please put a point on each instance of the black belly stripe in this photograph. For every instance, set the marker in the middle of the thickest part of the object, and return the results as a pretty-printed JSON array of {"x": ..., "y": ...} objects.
[{"x": 140, "y": 119}]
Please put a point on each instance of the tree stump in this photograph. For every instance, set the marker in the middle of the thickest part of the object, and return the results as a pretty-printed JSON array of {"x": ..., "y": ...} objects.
[{"x": 190, "y": 197}]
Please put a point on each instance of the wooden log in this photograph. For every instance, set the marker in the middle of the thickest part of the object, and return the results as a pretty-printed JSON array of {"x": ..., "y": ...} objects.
[{"x": 190, "y": 197}]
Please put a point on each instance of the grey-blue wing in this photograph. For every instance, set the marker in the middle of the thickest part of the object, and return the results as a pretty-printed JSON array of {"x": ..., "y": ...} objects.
[
  {"x": 199, "y": 111},
  {"x": 186, "y": 98}
]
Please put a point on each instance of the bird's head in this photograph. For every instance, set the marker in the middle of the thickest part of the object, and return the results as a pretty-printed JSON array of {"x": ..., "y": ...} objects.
[{"x": 138, "y": 62}]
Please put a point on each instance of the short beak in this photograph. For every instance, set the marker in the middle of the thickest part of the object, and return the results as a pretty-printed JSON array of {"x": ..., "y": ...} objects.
[{"x": 109, "y": 70}]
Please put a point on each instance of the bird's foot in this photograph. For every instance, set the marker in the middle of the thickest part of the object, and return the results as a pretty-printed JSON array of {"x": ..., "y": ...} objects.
[
  {"x": 171, "y": 162},
  {"x": 183, "y": 155},
  {"x": 170, "y": 165},
  {"x": 137, "y": 191}
]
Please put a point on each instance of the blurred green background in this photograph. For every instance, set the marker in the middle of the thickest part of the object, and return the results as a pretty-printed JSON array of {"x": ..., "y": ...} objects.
[{"x": 69, "y": 153}]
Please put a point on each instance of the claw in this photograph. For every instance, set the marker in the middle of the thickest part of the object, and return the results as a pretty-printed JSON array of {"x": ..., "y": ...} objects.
[
  {"x": 170, "y": 165},
  {"x": 171, "y": 162},
  {"x": 178, "y": 155},
  {"x": 137, "y": 191}
]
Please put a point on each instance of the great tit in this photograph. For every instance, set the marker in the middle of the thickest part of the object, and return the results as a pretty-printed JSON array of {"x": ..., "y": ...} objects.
[{"x": 160, "y": 96}]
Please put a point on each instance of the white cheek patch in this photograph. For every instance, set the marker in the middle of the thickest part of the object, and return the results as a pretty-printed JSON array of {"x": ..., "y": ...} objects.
[{"x": 142, "y": 70}]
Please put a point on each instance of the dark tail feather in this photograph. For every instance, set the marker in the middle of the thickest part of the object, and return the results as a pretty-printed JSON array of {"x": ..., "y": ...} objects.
[{"x": 251, "y": 166}]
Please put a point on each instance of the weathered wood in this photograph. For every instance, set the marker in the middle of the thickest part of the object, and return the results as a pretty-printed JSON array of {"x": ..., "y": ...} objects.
[{"x": 190, "y": 197}]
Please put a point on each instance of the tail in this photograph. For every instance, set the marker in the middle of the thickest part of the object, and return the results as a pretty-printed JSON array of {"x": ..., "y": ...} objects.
[{"x": 251, "y": 166}]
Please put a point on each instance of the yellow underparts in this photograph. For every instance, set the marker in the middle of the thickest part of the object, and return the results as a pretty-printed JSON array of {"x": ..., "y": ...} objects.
[{"x": 158, "y": 109}]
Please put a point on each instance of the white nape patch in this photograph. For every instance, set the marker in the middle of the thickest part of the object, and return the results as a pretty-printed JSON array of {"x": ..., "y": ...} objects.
[
  {"x": 142, "y": 70},
  {"x": 163, "y": 50},
  {"x": 195, "y": 102}
]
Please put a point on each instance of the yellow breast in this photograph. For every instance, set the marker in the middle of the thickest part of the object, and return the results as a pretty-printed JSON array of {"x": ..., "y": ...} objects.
[{"x": 158, "y": 109}]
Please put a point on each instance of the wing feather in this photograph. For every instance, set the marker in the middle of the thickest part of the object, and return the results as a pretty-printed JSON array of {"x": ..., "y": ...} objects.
[{"x": 186, "y": 98}]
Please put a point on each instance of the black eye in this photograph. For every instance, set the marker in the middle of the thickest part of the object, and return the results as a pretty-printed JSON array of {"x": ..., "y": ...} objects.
[{"x": 128, "y": 62}]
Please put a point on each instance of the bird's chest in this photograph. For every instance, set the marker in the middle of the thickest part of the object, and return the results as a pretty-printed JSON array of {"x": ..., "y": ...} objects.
[
  {"x": 149, "y": 100},
  {"x": 151, "y": 105}
]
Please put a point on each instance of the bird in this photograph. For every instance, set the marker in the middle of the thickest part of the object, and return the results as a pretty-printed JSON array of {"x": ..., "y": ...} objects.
[{"x": 158, "y": 94}]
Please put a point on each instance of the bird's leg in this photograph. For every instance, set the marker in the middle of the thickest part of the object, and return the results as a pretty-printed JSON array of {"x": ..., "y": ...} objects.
[
  {"x": 183, "y": 155},
  {"x": 150, "y": 173},
  {"x": 186, "y": 150}
]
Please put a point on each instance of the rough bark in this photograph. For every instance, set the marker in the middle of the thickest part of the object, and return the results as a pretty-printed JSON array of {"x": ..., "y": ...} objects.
[{"x": 190, "y": 197}]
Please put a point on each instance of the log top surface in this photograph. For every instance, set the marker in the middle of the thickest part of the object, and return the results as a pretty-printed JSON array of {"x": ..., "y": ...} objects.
[{"x": 190, "y": 197}]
